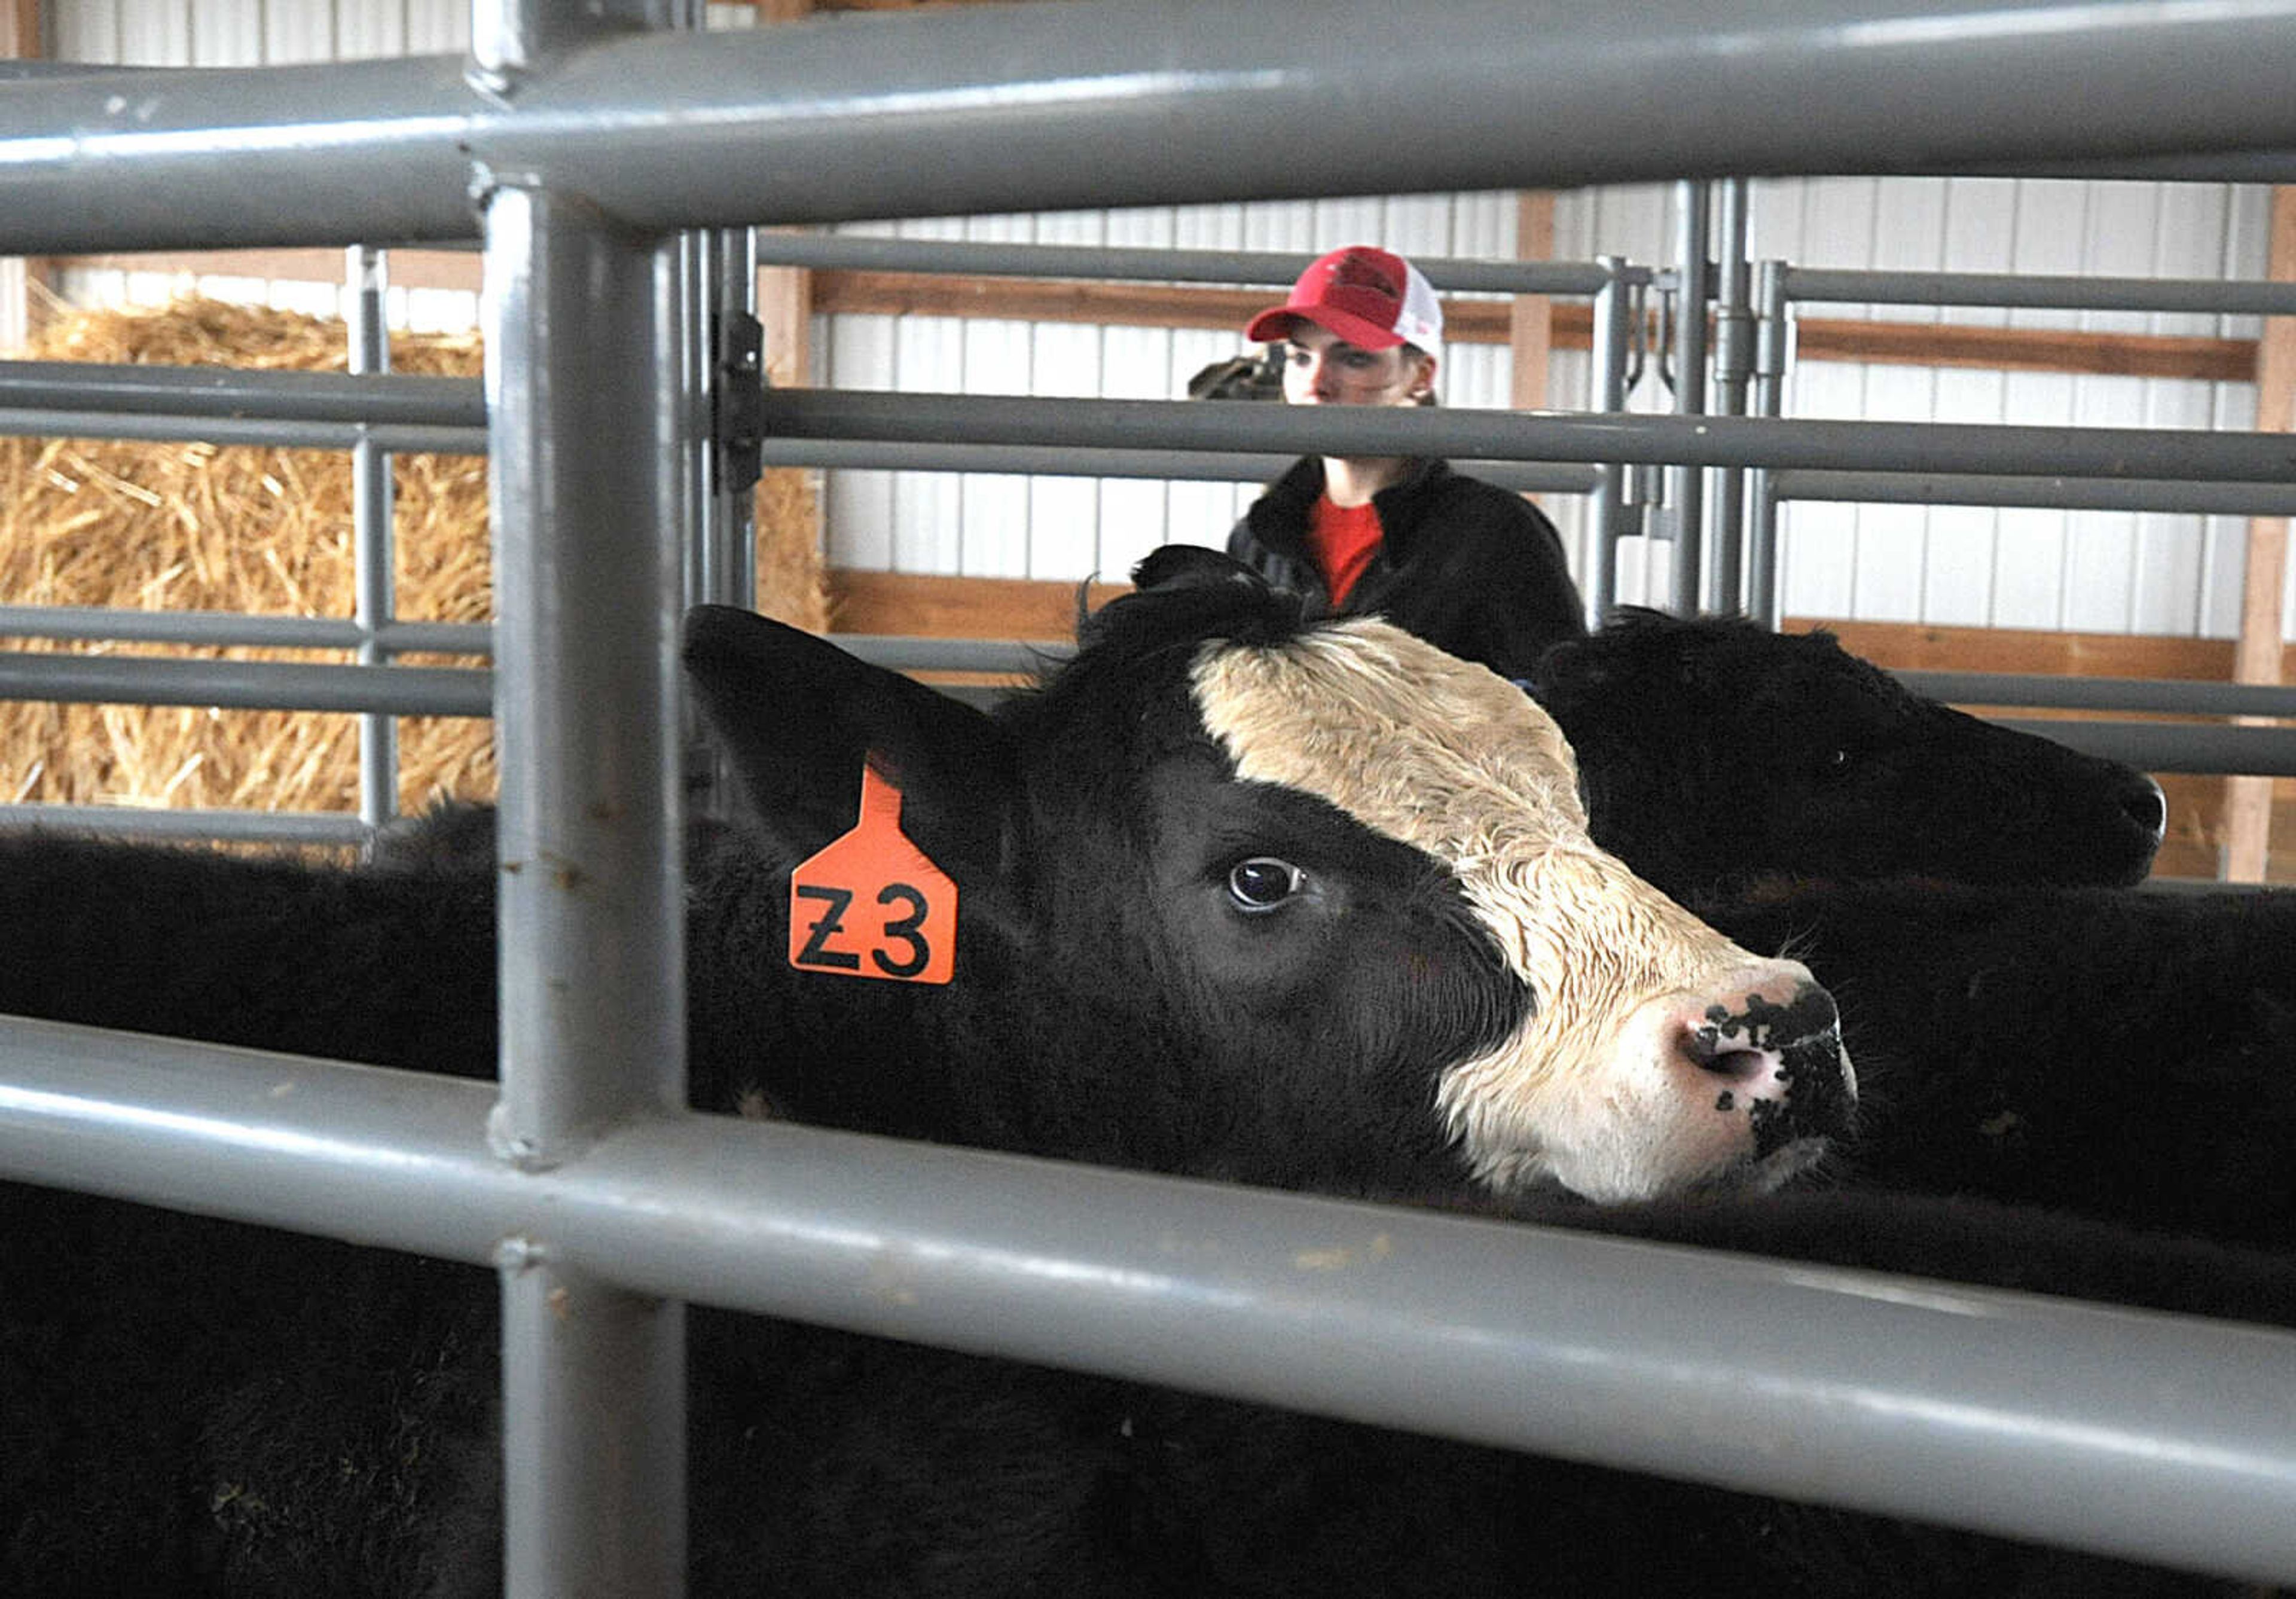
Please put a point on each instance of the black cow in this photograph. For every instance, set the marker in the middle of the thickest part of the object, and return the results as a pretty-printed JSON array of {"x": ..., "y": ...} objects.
[
  {"x": 203, "y": 1410},
  {"x": 1225, "y": 912},
  {"x": 1715, "y": 751},
  {"x": 2130, "y": 1053}
]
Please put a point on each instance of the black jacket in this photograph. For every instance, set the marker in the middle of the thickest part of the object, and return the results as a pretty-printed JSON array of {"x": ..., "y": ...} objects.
[{"x": 1464, "y": 564}]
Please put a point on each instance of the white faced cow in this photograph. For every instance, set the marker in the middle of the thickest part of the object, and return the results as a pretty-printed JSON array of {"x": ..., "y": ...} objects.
[{"x": 1323, "y": 896}]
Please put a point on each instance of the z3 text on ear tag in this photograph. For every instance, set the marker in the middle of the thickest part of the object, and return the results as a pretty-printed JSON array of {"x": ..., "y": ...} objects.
[{"x": 870, "y": 904}]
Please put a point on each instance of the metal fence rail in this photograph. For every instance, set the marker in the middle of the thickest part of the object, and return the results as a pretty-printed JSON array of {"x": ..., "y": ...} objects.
[
  {"x": 1493, "y": 1333},
  {"x": 1780, "y": 286},
  {"x": 555, "y": 125}
]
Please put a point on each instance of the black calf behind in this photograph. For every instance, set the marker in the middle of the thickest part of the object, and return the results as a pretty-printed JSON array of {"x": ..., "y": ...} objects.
[{"x": 1714, "y": 750}]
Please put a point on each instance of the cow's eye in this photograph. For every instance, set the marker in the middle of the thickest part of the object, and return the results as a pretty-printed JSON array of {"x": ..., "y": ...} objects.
[
  {"x": 1837, "y": 764},
  {"x": 1263, "y": 882}
]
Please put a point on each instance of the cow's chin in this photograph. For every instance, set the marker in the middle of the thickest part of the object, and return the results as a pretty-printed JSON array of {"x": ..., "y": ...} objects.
[
  {"x": 1766, "y": 1175},
  {"x": 1734, "y": 1177}
]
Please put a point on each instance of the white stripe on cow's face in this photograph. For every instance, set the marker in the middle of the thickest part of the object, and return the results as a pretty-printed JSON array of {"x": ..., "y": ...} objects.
[{"x": 1448, "y": 757}]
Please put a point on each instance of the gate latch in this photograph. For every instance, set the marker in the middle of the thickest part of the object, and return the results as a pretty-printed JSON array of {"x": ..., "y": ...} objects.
[{"x": 738, "y": 400}]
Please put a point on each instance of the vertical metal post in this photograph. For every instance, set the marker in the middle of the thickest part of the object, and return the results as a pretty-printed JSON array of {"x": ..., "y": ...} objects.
[
  {"x": 736, "y": 580},
  {"x": 719, "y": 277},
  {"x": 1686, "y": 485},
  {"x": 1773, "y": 341},
  {"x": 1614, "y": 307},
  {"x": 589, "y": 465},
  {"x": 594, "y": 452},
  {"x": 373, "y": 547},
  {"x": 1733, "y": 362}
]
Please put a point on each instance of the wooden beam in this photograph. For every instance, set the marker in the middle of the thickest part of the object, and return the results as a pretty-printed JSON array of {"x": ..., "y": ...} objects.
[
  {"x": 2025, "y": 349},
  {"x": 1530, "y": 321},
  {"x": 2259, "y": 657},
  {"x": 938, "y": 607},
  {"x": 409, "y": 268}
]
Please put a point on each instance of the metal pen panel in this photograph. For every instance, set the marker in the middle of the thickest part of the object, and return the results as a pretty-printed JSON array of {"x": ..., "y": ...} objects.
[
  {"x": 376, "y": 399},
  {"x": 1772, "y": 350},
  {"x": 2144, "y": 1435},
  {"x": 588, "y": 484},
  {"x": 2060, "y": 292},
  {"x": 244, "y": 685},
  {"x": 1613, "y": 324},
  {"x": 2086, "y": 494},
  {"x": 1685, "y": 484},
  {"x": 985, "y": 259},
  {"x": 1054, "y": 459},
  {"x": 2115, "y": 453},
  {"x": 375, "y": 547},
  {"x": 404, "y": 439},
  {"x": 239, "y": 627},
  {"x": 2174, "y": 746},
  {"x": 331, "y": 828},
  {"x": 1734, "y": 371},
  {"x": 2174, "y": 696}
]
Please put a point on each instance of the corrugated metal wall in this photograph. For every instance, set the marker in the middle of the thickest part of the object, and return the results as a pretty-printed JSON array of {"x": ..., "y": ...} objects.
[{"x": 2081, "y": 570}]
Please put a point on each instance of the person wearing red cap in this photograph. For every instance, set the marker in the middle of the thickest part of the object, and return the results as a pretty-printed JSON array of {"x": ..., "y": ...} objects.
[{"x": 1464, "y": 564}]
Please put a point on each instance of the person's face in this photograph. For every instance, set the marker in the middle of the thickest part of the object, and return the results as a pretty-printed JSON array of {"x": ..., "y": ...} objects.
[{"x": 1320, "y": 368}]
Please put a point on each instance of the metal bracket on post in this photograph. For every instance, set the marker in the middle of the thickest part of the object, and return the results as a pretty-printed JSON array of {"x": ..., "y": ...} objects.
[{"x": 737, "y": 405}]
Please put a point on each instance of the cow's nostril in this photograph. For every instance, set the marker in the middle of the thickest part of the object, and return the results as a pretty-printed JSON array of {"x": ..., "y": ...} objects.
[
  {"x": 1737, "y": 1065},
  {"x": 1728, "y": 1058}
]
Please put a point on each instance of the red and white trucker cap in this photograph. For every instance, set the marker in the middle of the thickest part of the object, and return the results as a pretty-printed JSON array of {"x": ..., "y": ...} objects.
[{"x": 1373, "y": 298}]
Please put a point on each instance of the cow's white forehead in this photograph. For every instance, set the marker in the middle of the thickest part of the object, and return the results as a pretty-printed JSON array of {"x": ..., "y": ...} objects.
[{"x": 1393, "y": 731}]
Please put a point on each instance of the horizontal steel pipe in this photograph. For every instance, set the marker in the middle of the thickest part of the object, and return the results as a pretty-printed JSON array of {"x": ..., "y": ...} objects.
[
  {"x": 874, "y": 252},
  {"x": 2151, "y": 1436},
  {"x": 2176, "y": 696},
  {"x": 955, "y": 110},
  {"x": 1544, "y": 435},
  {"x": 797, "y": 418},
  {"x": 2172, "y": 496},
  {"x": 185, "y": 826},
  {"x": 227, "y": 628},
  {"x": 2174, "y": 746},
  {"x": 375, "y": 398},
  {"x": 397, "y": 437},
  {"x": 1056, "y": 461},
  {"x": 2067, "y": 292},
  {"x": 246, "y": 685}
]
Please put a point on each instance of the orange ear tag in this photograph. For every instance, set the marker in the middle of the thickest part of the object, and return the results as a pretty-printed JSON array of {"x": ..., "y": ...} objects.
[{"x": 870, "y": 904}]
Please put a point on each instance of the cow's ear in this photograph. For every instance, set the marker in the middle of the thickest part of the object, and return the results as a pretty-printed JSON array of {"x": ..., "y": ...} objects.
[
  {"x": 1188, "y": 565},
  {"x": 798, "y": 718},
  {"x": 1562, "y": 669}
]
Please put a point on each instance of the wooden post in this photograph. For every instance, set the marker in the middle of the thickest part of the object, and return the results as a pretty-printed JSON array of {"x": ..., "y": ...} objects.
[
  {"x": 1531, "y": 323},
  {"x": 2248, "y": 801}
]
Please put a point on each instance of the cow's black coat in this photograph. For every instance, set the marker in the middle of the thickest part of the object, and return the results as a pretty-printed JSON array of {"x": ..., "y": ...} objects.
[
  {"x": 193, "y": 1408},
  {"x": 1714, "y": 750},
  {"x": 2125, "y": 1053}
]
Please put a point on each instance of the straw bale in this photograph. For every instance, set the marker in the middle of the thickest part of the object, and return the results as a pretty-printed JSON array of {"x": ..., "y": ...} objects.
[{"x": 194, "y": 527}]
